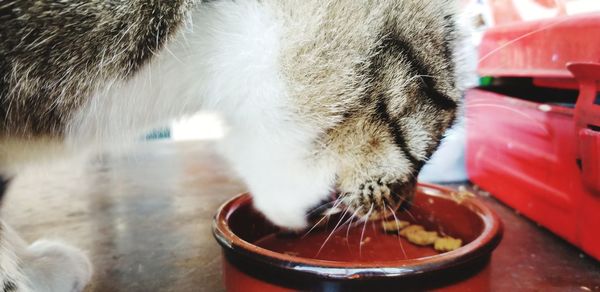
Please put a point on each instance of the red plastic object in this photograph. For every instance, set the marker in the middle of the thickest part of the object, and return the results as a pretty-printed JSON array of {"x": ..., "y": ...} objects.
[
  {"x": 542, "y": 159},
  {"x": 541, "y": 49},
  {"x": 587, "y": 122},
  {"x": 589, "y": 143},
  {"x": 512, "y": 11},
  {"x": 509, "y": 11},
  {"x": 526, "y": 155}
]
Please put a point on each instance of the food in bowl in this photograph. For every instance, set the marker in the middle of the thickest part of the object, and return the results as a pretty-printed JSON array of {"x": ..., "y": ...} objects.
[
  {"x": 447, "y": 243},
  {"x": 349, "y": 254},
  {"x": 421, "y": 237},
  {"x": 394, "y": 226},
  {"x": 418, "y": 235}
]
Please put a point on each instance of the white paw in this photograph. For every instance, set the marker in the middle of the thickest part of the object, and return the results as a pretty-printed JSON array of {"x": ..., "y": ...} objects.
[{"x": 56, "y": 267}]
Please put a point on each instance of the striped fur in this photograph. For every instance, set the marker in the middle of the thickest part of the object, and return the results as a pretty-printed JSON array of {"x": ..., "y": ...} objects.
[
  {"x": 385, "y": 92},
  {"x": 335, "y": 94}
]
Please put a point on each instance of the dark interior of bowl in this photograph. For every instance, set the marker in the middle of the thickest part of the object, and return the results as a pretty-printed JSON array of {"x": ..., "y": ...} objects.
[{"x": 343, "y": 239}]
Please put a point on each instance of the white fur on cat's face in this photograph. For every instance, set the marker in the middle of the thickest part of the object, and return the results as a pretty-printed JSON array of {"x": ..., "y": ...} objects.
[
  {"x": 234, "y": 57},
  {"x": 229, "y": 58}
]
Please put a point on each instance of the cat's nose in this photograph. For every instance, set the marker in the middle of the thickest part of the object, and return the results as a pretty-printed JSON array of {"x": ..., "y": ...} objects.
[{"x": 382, "y": 202}]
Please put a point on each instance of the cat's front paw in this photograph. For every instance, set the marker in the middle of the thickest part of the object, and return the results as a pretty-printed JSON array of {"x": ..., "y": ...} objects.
[
  {"x": 56, "y": 267},
  {"x": 377, "y": 197}
]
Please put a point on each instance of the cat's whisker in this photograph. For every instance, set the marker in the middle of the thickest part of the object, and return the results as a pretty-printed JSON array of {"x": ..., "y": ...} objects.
[
  {"x": 501, "y": 107},
  {"x": 409, "y": 80},
  {"x": 410, "y": 215},
  {"x": 314, "y": 226},
  {"x": 318, "y": 208},
  {"x": 346, "y": 222},
  {"x": 358, "y": 222},
  {"x": 362, "y": 234},
  {"x": 511, "y": 42},
  {"x": 334, "y": 209},
  {"x": 339, "y": 202},
  {"x": 335, "y": 203},
  {"x": 350, "y": 226},
  {"x": 398, "y": 227},
  {"x": 352, "y": 218},
  {"x": 373, "y": 226},
  {"x": 408, "y": 211},
  {"x": 332, "y": 232},
  {"x": 348, "y": 235},
  {"x": 410, "y": 204}
]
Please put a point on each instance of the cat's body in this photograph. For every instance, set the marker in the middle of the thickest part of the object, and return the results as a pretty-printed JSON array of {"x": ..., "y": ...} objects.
[{"x": 345, "y": 94}]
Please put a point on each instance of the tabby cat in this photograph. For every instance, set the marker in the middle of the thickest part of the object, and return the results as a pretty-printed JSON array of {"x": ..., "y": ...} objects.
[{"x": 353, "y": 95}]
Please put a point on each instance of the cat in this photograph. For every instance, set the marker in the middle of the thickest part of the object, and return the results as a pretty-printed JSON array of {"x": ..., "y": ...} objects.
[{"x": 318, "y": 96}]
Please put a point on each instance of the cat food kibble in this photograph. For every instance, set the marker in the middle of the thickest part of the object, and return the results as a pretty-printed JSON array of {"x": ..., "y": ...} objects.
[
  {"x": 411, "y": 229},
  {"x": 417, "y": 234},
  {"x": 365, "y": 241},
  {"x": 422, "y": 237},
  {"x": 394, "y": 226},
  {"x": 447, "y": 243}
]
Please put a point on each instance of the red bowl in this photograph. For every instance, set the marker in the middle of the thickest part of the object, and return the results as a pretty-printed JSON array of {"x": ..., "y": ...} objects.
[{"x": 349, "y": 262}]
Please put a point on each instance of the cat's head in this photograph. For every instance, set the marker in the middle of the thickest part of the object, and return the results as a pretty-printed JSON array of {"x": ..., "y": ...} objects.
[{"x": 363, "y": 93}]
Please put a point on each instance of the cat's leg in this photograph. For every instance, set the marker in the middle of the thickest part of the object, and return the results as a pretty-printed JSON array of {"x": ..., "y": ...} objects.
[{"x": 44, "y": 266}]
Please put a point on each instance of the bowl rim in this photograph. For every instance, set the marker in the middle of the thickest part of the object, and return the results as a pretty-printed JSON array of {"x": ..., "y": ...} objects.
[{"x": 481, "y": 246}]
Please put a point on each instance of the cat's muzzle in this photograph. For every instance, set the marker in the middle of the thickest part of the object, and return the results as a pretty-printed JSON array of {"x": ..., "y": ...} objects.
[{"x": 368, "y": 203}]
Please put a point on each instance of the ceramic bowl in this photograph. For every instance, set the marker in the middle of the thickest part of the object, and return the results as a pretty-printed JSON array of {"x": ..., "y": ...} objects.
[{"x": 358, "y": 255}]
